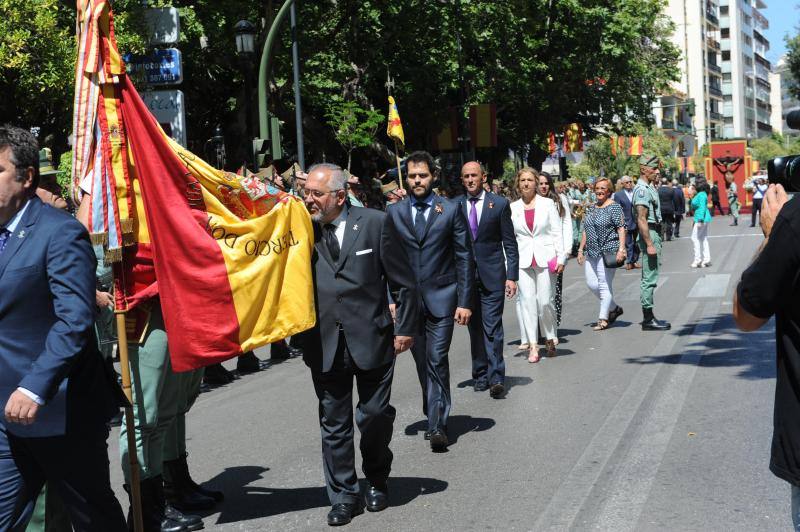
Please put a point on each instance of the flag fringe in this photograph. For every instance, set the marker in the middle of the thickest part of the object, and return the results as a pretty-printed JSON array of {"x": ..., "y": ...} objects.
[
  {"x": 99, "y": 239},
  {"x": 112, "y": 256}
]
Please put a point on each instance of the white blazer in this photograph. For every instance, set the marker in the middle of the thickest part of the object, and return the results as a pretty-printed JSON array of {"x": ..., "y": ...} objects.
[{"x": 546, "y": 240}]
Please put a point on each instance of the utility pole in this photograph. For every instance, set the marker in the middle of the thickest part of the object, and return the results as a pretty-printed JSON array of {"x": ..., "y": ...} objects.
[{"x": 298, "y": 106}]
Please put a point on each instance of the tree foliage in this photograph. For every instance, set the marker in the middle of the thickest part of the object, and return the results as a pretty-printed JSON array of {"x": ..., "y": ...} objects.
[
  {"x": 544, "y": 63},
  {"x": 353, "y": 126},
  {"x": 793, "y": 61}
]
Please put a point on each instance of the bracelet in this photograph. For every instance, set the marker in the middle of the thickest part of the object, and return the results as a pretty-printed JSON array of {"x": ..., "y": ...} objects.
[{"x": 580, "y": 251}]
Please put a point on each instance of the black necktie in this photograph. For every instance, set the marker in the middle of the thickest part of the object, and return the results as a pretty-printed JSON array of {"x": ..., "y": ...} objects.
[
  {"x": 329, "y": 232},
  {"x": 4, "y": 236},
  {"x": 419, "y": 220}
]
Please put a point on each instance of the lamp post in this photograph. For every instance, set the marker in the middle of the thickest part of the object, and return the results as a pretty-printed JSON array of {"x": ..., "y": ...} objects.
[{"x": 245, "y": 33}]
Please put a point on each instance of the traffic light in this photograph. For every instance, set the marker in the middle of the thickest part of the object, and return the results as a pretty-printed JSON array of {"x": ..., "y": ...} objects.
[
  {"x": 690, "y": 106},
  {"x": 267, "y": 150}
]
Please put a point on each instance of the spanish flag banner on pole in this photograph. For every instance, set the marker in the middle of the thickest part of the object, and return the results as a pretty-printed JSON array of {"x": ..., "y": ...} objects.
[
  {"x": 228, "y": 256},
  {"x": 573, "y": 138},
  {"x": 394, "y": 128}
]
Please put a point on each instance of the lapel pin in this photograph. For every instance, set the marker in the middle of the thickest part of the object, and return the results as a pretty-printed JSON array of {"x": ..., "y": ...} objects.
[
  {"x": 439, "y": 209},
  {"x": 21, "y": 234},
  {"x": 355, "y": 227},
  {"x": 491, "y": 205}
]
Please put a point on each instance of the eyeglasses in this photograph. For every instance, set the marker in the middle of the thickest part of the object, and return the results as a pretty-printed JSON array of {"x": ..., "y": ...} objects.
[{"x": 320, "y": 194}]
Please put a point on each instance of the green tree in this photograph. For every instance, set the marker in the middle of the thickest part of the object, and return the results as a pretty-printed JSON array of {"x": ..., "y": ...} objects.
[
  {"x": 353, "y": 126},
  {"x": 766, "y": 148},
  {"x": 793, "y": 61}
]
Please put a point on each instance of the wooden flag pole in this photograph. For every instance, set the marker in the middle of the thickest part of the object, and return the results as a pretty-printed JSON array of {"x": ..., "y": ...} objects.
[
  {"x": 130, "y": 424},
  {"x": 397, "y": 158}
]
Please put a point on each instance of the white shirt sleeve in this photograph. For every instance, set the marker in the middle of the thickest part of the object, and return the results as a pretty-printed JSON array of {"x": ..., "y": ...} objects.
[
  {"x": 566, "y": 230},
  {"x": 38, "y": 400}
]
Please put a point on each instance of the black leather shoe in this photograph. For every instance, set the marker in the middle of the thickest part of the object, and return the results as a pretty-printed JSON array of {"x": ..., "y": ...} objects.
[
  {"x": 480, "y": 386},
  {"x": 190, "y": 522},
  {"x": 497, "y": 390},
  {"x": 295, "y": 352},
  {"x": 217, "y": 375},
  {"x": 439, "y": 441},
  {"x": 248, "y": 363},
  {"x": 655, "y": 325},
  {"x": 377, "y": 499},
  {"x": 279, "y": 351},
  {"x": 427, "y": 435},
  {"x": 342, "y": 513}
]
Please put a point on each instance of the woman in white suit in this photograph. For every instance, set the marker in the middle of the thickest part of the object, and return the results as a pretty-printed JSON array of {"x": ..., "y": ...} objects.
[{"x": 538, "y": 228}]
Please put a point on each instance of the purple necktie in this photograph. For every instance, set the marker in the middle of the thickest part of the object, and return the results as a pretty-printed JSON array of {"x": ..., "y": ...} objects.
[
  {"x": 4, "y": 235},
  {"x": 473, "y": 218}
]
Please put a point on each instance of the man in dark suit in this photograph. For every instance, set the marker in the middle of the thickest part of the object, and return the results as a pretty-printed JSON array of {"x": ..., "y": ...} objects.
[
  {"x": 667, "y": 198},
  {"x": 433, "y": 232},
  {"x": 679, "y": 201},
  {"x": 625, "y": 198},
  {"x": 57, "y": 391},
  {"x": 492, "y": 233},
  {"x": 357, "y": 262}
]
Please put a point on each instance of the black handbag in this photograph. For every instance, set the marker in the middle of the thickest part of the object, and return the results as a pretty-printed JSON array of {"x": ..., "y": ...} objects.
[{"x": 610, "y": 260}]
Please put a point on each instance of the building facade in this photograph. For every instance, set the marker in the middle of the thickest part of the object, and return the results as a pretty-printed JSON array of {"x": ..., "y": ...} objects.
[
  {"x": 746, "y": 87},
  {"x": 783, "y": 102}
]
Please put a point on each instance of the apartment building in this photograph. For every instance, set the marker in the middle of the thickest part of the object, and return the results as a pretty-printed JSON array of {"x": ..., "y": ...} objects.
[
  {"x": 746, "y": 107},
  {"x": 782, "y": 100},
  {"x": 697, "y": 35}
]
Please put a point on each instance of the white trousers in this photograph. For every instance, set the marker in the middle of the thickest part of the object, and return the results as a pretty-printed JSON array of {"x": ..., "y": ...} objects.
[
  {"x": 536, "y": 309},
  {"x": 702, "y": 252},
  {"x": 523, "y": 336},
  {"x": 599, "y": 280}
]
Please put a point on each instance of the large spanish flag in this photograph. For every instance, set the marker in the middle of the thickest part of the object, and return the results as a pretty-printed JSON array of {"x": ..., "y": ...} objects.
[{"x": 228, "y": 256}]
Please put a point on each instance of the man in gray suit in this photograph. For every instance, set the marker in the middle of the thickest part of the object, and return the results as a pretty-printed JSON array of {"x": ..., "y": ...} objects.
[
  {"x": 356, "y": 263},
  {"x": 433, "y": 232},
  {"x": 625, "y": 198}
]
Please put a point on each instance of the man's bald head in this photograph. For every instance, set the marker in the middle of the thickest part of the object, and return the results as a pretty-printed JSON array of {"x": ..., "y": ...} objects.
[{"x": 473, "y": 177}]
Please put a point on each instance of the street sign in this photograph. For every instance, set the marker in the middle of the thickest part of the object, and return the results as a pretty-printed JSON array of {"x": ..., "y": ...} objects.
[
  {"x": 168, "y": 108},
  {"x": 159, "y": 67},
  {"x": 163, "y": 24}
]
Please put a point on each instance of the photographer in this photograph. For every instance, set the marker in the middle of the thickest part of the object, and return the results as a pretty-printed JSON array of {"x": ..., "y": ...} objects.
[{"x": 771, "y": 286}]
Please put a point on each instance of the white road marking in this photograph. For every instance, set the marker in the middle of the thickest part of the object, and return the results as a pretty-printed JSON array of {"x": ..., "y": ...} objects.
[
  {"x": 712, "y": 285},
  {"x": 633, "y": 479},
  {"x": 569, "y": 498}
]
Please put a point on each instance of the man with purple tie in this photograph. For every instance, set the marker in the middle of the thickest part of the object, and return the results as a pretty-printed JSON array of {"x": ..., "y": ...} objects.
[{"x": 496, "y": 273}]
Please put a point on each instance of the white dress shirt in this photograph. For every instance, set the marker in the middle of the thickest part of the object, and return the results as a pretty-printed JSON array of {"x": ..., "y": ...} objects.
[{"x": 427, "y": 212}]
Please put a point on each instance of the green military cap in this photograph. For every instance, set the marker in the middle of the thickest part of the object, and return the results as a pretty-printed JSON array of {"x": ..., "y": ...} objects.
[
  {"x": 46, "y": 162},
  {"x": 651, "y": 161}
]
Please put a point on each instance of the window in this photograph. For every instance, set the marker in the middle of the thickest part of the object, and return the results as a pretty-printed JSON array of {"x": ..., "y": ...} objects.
[
  {"x": 726, "y": 55},
  {"x": 726, "y": 76},
  {"x": 725, "y": 33},
  {"x": 723, "y": 12}
]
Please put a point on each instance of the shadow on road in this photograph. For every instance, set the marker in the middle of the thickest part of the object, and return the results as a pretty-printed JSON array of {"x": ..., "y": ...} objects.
[
  {"x": 726, "y": 347},
  {"x": 457, "y": 426},
  {"x": 245, "y": 503}
]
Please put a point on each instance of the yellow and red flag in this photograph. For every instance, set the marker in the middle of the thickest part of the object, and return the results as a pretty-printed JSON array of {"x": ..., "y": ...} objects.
[
  {"x": 573, "y": 138},
  {"x": 228, "y": 256},
  {"x": 394, "y": 128},
  {"x": 635, "y": 145},
  {"x": 483, "y": 125}
]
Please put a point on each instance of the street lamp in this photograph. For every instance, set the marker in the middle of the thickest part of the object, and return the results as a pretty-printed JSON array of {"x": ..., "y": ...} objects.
[
  {"x": 245, "y": 48},
  {"x": 245, "y": 37}
]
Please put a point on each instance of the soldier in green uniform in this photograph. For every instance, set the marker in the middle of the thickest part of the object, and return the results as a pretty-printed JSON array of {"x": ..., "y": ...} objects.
[{"x": 648, "y": 219}]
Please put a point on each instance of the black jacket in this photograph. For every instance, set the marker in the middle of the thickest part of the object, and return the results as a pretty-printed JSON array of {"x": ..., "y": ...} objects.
[{"x": 353, "y": 294}]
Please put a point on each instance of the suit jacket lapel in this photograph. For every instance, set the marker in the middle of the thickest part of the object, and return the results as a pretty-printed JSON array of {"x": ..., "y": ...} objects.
[
  {"x": 351, "y": 232},
  {"x": 22, "y": 233},
  {"x": 404, "y": 208},
  {"x": 488, "y": 199},
  {"x": 437, "y": 204},
  {"x": 520, "y": 213},
  {"x": 321, "y": 247}
]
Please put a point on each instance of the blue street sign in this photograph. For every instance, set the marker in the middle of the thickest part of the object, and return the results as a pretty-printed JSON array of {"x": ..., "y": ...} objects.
[{"x": 159, "y": 67}]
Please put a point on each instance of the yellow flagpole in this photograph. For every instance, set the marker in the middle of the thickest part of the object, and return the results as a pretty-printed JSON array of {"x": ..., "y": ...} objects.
[{"x": 130, "y": 425}]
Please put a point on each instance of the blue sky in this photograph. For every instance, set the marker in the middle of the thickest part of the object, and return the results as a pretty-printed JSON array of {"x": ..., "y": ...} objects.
[{"x": 784, "y": 18}]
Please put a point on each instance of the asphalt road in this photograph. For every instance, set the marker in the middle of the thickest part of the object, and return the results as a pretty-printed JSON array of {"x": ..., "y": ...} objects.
[{"x": 624, "y": 430}]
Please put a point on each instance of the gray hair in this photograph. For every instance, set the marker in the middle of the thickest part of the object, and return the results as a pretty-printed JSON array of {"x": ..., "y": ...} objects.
[{"x": 337, "y": 179}]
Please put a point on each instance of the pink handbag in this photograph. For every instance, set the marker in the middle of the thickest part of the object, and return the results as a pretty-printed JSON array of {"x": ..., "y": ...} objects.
[{"x": 552, "y": 265}]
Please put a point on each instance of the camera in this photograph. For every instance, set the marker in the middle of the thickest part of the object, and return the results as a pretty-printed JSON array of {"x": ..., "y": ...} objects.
[{"x": 785, "y": 170}]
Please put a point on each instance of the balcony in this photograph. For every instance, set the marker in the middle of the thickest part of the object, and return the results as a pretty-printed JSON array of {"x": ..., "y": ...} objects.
[
  {"x": 713, "y": 115},
  {"x": 667, "y": 124},
  {"x": 764, "y": 126},
  {"x": 763, "y": 81},
  {"x": 712, "y": 18},
  {"x": 713, "y": 67},
  {"x": 713, "y": 90},
  {"x": 713, "y": 44}
]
